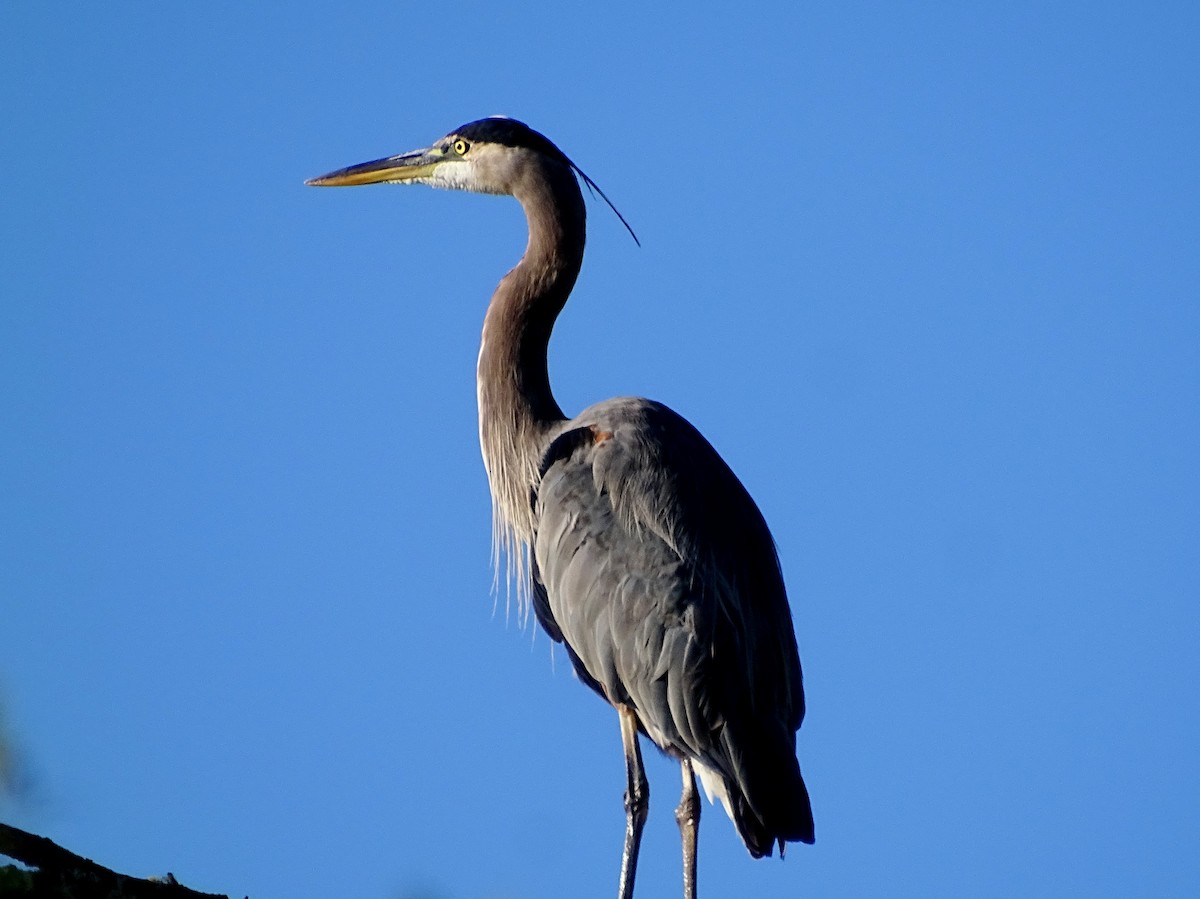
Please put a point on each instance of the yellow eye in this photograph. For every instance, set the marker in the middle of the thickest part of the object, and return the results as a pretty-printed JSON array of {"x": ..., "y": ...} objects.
[{"x": 461, "y": 147}]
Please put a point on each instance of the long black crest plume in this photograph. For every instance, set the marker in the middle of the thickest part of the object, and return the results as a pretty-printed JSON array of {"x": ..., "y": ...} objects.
[{"x": 593, "y": 186}]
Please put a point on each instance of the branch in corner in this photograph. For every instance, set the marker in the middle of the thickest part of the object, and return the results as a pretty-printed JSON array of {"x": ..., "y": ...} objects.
[{"x": 61, "y": 874}]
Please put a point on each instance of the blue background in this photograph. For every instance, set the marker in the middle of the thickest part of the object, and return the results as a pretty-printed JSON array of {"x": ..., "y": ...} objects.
[{"x": 926, "y": 276}]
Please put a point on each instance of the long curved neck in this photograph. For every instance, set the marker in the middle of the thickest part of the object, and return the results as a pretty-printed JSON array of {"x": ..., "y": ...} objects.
[{"x": 517, "y": 410}]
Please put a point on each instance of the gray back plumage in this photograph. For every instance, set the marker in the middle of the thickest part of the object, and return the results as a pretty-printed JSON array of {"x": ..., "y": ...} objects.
[{"x": 656, "y": 569}]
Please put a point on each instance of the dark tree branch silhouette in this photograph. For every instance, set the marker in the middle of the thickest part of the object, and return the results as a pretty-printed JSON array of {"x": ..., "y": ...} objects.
[{"x": 61, "y": 874}]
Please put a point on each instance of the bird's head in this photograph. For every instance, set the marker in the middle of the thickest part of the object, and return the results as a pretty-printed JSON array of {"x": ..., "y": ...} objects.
[
  {"x": 486, "y": 156},
  {"x": 489, "y": 156}
]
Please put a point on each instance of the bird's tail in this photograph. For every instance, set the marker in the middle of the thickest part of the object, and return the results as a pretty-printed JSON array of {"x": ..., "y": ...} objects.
[{"x": 766, "y": 796}]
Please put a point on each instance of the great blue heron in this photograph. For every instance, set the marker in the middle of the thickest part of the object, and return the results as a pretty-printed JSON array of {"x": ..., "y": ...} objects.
[{"x": 636, "y": 545}]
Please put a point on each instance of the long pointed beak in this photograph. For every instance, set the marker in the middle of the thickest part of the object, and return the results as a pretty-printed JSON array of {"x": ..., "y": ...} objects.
[{"x": 415, "y": 166}]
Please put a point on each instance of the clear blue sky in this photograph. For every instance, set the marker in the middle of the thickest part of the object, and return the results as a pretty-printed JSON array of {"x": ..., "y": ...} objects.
[{"x": 927, "y": 277}]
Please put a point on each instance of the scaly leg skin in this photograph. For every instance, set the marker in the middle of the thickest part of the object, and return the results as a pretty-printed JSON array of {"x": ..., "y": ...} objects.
[
  {"x": 688, "y": 817},
  {"x": 637, "y": 800}
]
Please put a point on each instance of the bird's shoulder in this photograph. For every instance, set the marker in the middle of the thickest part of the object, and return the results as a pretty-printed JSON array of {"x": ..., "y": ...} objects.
[{"x": 656, "y": 471}]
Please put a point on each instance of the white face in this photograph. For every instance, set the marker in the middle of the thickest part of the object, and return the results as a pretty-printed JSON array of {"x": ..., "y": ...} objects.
[{"x": 481, "y": 168}]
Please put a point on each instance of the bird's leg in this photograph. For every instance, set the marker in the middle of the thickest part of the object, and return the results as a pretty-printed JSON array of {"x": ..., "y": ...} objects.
[
  {"x": 688, "y": 817},
  {"x": 637, "y": 799}
]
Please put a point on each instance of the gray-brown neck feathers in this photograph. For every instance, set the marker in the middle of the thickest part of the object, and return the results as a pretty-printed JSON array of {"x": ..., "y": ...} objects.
[{"x": 517, "y": 411}]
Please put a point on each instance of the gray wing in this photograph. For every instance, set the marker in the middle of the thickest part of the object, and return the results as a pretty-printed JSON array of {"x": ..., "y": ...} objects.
[{"x": 657, "y": 571}]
